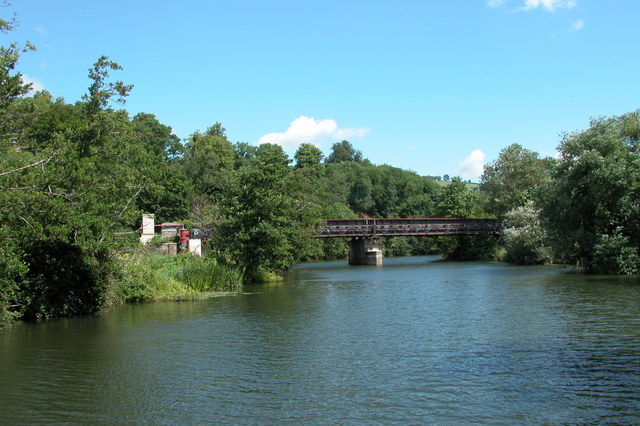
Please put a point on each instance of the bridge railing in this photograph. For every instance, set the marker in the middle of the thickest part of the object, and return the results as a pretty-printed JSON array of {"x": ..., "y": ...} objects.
[{"x": 336, "y": 228}]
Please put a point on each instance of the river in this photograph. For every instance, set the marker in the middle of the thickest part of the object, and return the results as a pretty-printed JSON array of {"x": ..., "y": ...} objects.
[{"x": 414, "y": 341}]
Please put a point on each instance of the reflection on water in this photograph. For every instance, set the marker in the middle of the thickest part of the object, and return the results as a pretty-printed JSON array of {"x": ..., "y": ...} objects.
[{"x": 414, "y": 341}]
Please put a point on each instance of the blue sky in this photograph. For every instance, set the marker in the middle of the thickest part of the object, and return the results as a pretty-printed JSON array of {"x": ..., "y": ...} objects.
[{"x": 434, "y": 86}]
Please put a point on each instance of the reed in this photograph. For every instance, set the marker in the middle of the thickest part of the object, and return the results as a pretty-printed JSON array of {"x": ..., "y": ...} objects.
[
  {"x": 208, "y": 274},
  {"x": 155, "y": 277}
]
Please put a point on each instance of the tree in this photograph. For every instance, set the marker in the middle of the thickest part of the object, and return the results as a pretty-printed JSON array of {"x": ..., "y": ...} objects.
[
  {"x": 101, "y": 90},
  {"x": 360, "y": 196},
  {"x": 591, "y": 209},
  {"x": 514, "y": 178},
  {"x": 455, "y": 200},
  {"x": 68, "y": 190},
  {"x": 168, "y": 195},
  {"x": 156, "y": 137},
  {"x": 243, "y": 152},
  {"x": 385, "y": 190},
  {"x": 308, "y": 156},
  {"x": 258, "y": 231},
  {"x": 209, "y": 160},
  {"x": 343, "y": 151},
  {"x": 417, "y": 199}
]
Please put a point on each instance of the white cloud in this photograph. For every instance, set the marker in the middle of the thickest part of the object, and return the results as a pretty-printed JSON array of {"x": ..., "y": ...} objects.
[
  {"x": 550, "y": 5},
  {"x": 577, "y": 25},
  {"x": 473, "y": 166},
  {"x": 36, "y": 85},
  {"x": 309, "y": 130}
]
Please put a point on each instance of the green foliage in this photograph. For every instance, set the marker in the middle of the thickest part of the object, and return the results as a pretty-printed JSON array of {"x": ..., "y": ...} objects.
[
  {"x": 514, "y": 178},
  {"x": 308, "y": 156},
  {"x": 101, "y": 91},
  {"x": 209, "y": 160},
  {"x": 343, "y": 151},
  {"x": 591, "y": 209},
  {"x": 524, "y": 238},
  {"x": 68, "y": 181},
  {"x": 149, "y": 277},
  {"x": 396, "y": 246},
  {"x": 335, "y": 248},
  {"x": 62, "y": 280},
  {"x": 612, "y": 254},
  {"x": 258, "y": 231},
  {"x": 12, "y": 85},
  {"x": 157, "y": 138},
  {"x": 207, "y": 274},
  {"x": 468, "y": 247},
  {"x": 455, "y": 200},
  {"x": 360, "y": 196},
  {"x": 12, "y": 272},
  {"x": 168, "y": 195}
]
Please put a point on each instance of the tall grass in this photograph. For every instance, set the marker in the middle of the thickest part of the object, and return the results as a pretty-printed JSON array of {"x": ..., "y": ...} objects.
[
  {"x": 148, "y": 276},
  {"x": 207, "y": 274}
]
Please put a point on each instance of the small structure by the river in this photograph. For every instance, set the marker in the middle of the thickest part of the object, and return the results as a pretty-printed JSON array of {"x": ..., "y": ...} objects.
[{"x": 192, "y": 244}]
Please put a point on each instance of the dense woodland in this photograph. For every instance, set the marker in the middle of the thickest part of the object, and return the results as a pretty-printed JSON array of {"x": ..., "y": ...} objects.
[{"x": 75, "y": 177}]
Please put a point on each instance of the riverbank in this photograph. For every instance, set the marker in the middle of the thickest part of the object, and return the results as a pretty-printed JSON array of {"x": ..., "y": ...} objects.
[
  {"x": 74, "y": 283},
  {"x": 154, "y": 277}
]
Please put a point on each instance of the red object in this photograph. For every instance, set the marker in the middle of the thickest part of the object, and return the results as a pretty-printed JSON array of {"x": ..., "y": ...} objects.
[{"x": 184, "y": 238}]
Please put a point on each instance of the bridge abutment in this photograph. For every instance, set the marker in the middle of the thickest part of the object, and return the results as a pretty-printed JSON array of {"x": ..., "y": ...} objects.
[{"x": 365, "y": 251}]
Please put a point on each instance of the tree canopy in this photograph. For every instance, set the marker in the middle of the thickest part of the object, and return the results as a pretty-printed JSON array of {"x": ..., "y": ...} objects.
[{"x": 592, "y": 205}]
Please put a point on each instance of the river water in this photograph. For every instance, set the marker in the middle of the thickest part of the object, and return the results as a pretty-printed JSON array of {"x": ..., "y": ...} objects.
[{"x": 414, "y": 341}]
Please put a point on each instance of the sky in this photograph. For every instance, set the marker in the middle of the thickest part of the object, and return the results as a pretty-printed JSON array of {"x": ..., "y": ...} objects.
[{"x": 433, "y": 86}]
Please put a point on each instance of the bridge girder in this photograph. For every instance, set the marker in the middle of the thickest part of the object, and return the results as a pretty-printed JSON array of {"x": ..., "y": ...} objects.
[{"x": 361, "y": 228}]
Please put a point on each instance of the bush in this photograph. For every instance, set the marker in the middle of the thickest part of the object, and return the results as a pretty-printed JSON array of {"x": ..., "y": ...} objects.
[
  {"x": 524, "y": 239},
  {"x": 12, "y": 270},
  {"x": 612, "y": 254},
  {"x": 62, "y": 280}
]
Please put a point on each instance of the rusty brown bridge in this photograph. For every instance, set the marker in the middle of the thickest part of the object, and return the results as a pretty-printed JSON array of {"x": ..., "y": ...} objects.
[{"x": 364, "y": 246}]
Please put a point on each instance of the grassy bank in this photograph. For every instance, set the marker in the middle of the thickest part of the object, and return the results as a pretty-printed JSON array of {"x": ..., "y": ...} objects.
[{"x": 149, "y": 277}]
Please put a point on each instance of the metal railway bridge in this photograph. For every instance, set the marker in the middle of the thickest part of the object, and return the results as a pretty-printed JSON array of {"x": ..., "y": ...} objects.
[{"x": 364, "y": 246}]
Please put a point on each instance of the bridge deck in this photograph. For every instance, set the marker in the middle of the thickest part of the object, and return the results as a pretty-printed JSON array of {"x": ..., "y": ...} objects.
[{"x": 342, "y": 228}]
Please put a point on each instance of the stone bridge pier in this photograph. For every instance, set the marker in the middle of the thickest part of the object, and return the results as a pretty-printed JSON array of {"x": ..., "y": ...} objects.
[{"x": 365, "y": 251}]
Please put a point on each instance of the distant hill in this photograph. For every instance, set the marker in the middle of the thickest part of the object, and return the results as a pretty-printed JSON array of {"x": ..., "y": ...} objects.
[{"x": 469, "y": 185}]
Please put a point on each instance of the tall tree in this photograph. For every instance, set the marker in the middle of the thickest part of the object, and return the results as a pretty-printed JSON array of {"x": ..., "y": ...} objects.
[
  {"x": 209, "y": 160},
  {"x": 12, "y": 86},
  {"x": 514, "y": 178},
  {"x": 308, "y": 156},
  {"x": 455, "y": 200},
  {"x": 592, "y": 205},
  {"x": 360, "y": 196},
  {"x": 258, "y": 232},
  {"x": 68, "y": 192},
  {"x": 157, "y": 137},
  {"x": 343, "y": 151}
]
